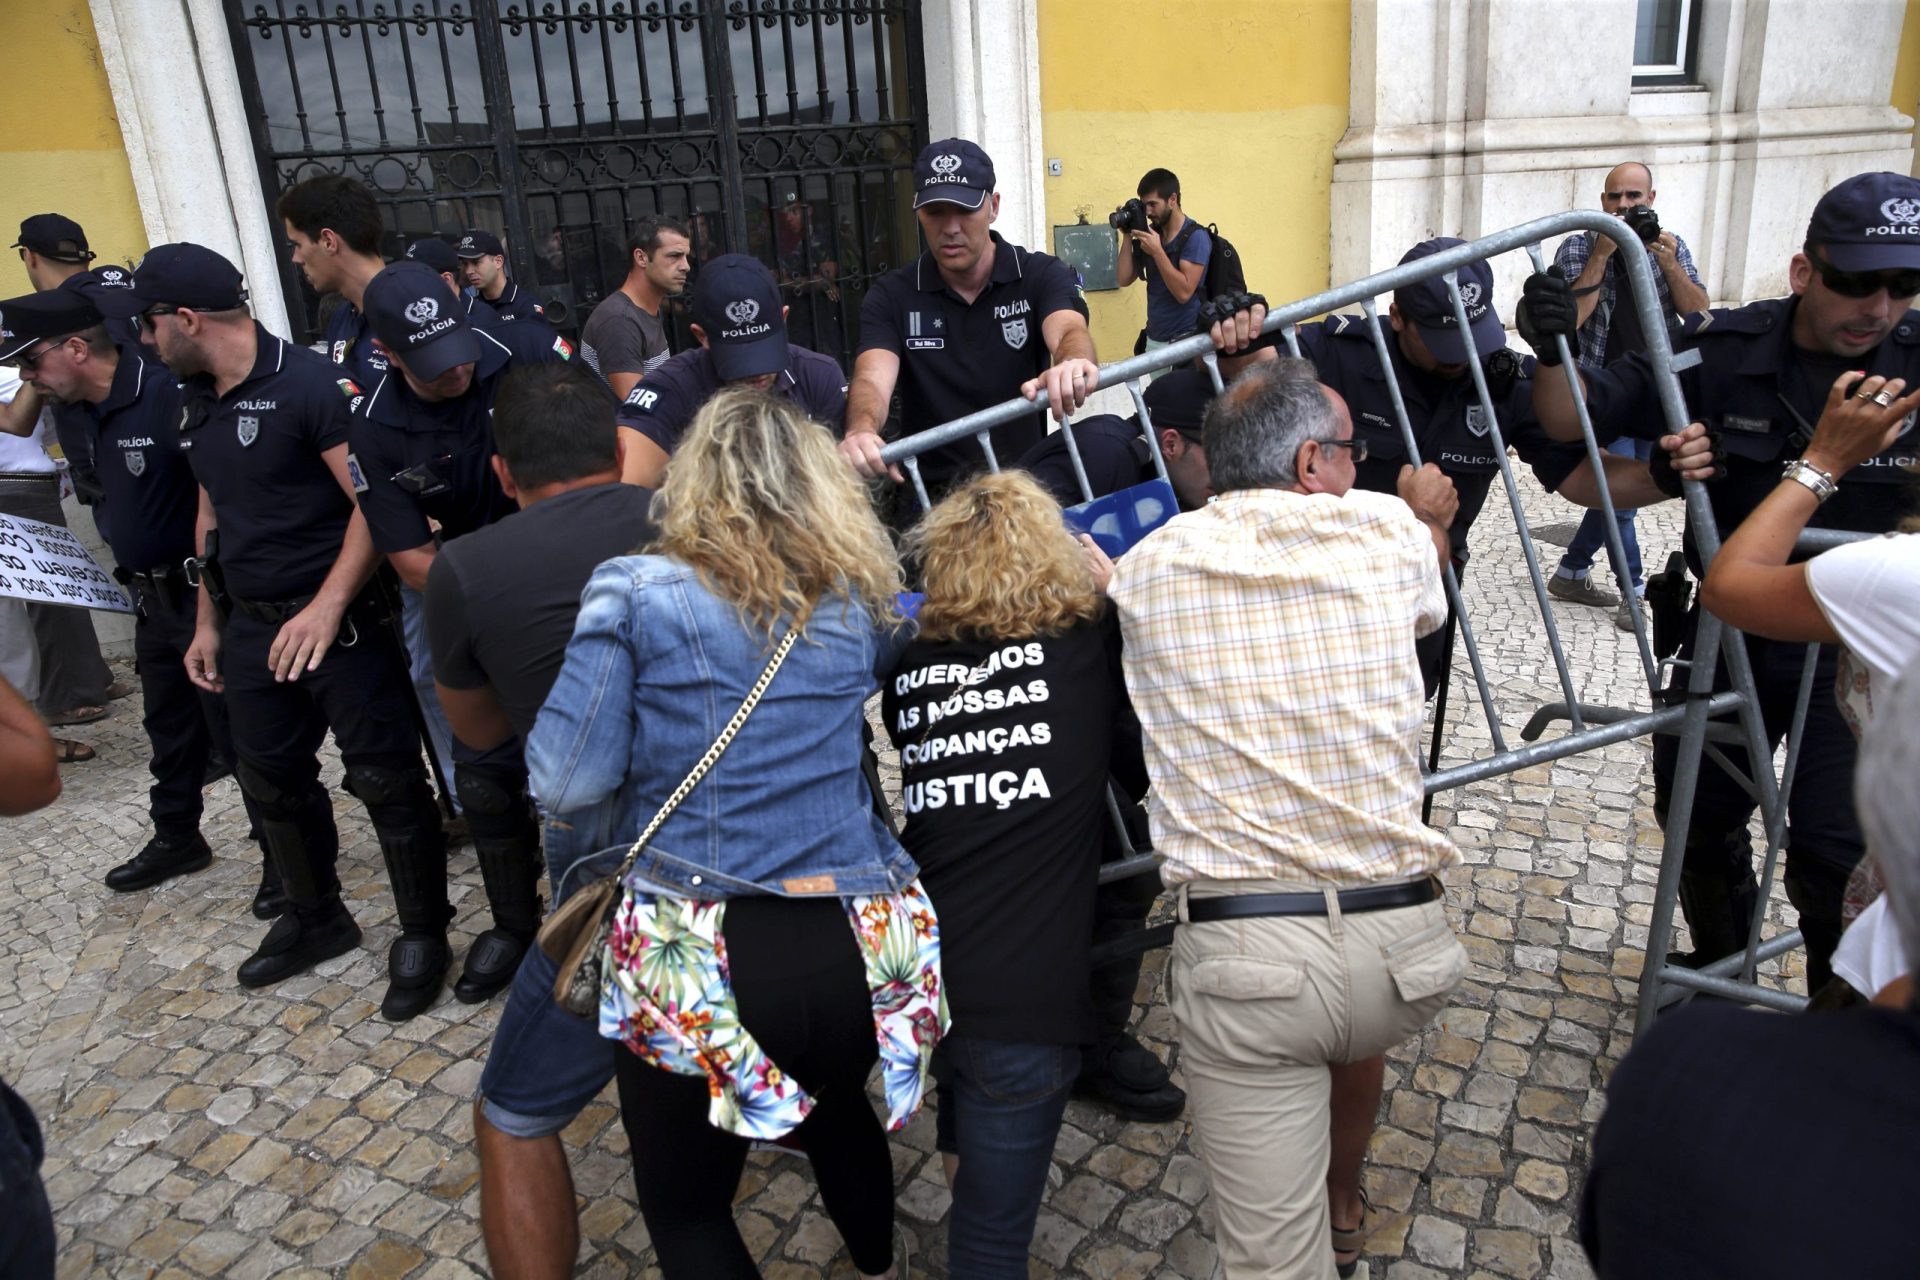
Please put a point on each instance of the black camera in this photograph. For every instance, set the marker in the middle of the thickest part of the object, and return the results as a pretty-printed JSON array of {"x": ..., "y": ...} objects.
[
  {"x": 1644, "y": 221},
  {"x": 1130, "y": 217}
]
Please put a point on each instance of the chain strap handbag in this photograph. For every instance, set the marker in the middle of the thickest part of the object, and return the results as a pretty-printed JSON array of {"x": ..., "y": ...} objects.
[{"x": 575, "y": 935}]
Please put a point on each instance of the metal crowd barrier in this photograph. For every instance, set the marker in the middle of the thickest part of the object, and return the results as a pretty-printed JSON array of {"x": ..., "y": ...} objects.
[{"x": 1702, "y": 718}]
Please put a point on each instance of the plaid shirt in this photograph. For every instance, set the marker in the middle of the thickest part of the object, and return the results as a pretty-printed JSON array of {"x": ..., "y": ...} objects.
[
  {"x": 1269, "y": 654},
  {"x": 1572, "y": 257}
]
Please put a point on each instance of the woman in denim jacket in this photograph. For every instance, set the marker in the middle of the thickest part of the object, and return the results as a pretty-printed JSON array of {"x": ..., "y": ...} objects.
[{"x": 773, "y": 933}]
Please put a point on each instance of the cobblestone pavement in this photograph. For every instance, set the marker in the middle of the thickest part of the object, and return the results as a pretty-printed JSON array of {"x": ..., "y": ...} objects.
[{"x": 194, "y": 1129}]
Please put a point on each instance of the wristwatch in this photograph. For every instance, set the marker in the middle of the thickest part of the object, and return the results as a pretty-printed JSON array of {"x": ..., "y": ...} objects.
[{"x": 1803, "y": 472}]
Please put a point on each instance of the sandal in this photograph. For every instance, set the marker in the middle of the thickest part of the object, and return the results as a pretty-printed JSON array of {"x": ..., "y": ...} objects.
[
  {"x": 67, "y": 751},
  {"x": 77, "y": 715},
  {"x": 1352, "y": 1240}
]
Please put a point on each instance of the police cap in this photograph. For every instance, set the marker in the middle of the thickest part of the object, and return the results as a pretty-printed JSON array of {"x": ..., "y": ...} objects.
[
  {"x": 436, "y": 253},
  {"x": 1870, "y": 222},
  {"x": 475, "y": 243},
  {"x": 32, "y": 317},
  {"x": 186, "y": 275},
  {"x": 1179, "y": 399},
  {"x": 409, "y": 310},
  {"x": 1431, "y": 310},
  {"x": 55, "y": 236},
  {"x": 736, "y": 303},
  {"x": 952, "y": 171}
]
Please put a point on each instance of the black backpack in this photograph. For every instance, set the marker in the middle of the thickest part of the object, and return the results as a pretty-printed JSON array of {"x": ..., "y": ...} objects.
[{"x": 1225, "y": 273}]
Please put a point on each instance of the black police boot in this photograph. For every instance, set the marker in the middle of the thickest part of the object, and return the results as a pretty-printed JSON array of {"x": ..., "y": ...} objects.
[
  {"x": 1718, "y": 896},
  {"x": 1124, "y": 1076},
  {"x": 417, "y": 961},
  {"x": 506, "y": 839},
  {"x": 299, "y": 940},
  {"x": 162, "y": 858},
  {"x": 270, "y": 899}
]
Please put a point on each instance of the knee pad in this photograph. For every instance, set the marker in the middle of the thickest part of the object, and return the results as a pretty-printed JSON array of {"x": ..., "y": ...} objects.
[
  {"x": 278, "y": 797},
  {"x": 489, "y": 789},
  {"x": 382, "y": 783}
]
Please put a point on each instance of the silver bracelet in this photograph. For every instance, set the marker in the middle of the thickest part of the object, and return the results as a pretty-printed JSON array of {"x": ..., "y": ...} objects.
[{"x": 1819, "y": 482}]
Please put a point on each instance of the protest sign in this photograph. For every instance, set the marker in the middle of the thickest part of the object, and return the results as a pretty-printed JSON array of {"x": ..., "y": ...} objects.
[{"x": 46, "y": 564}]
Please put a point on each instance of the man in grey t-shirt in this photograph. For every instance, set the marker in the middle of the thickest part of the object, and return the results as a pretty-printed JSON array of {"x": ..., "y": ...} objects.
[{"x": 624, "y": 340}]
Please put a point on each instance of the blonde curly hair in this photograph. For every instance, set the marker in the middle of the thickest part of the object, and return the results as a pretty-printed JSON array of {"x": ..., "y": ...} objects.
[
  {"x": 760, "y": 504},
  {"x": 997, "y": 563}
]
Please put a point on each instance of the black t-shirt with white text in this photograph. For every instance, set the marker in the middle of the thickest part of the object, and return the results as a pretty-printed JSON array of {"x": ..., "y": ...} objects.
[{"x": 1005, "y": 749}]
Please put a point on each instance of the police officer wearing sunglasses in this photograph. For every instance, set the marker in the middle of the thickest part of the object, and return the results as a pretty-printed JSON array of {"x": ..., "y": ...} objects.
[{"x": 1764, "y": 375}]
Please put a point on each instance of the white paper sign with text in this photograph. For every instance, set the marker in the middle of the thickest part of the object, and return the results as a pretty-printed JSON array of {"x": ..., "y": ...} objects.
[{"x": 46, "y": 564}]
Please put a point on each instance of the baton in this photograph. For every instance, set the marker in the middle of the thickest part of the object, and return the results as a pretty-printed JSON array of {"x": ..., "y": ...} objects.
[
  {"x": 396, "y": 623},
  {"x": 1440, "y": 711}
]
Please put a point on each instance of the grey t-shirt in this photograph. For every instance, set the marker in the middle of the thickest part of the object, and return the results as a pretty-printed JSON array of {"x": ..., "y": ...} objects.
[
  {"x": 623, "y": 337},
  {"x": 501, "y": 601}
]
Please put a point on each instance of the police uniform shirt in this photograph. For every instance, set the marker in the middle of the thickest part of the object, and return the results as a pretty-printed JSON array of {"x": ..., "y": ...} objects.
[
  {"x": 957, "y": 357},
  {"x": 1113, "y": 453},
  {"x": 413, "y": 460},
  {"x": 257, "y": 452},
  {"x": 663, "y": 405},
  {"x": 147, "y": 481},
  {"x": 531, "y": 339},
  {"x": 1449, "y": 423},
  {"x": 349, "y": 344},
  {"x": 515, "y": 303},
  {"x": 1764, "y": 394}
]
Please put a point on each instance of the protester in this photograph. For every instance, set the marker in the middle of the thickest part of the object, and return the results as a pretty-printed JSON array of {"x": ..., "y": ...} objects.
[
  {"x": 1270, "y": 657},
  {"x": 1018, "y": 652},
  {"x": 830, "y": 944},
  {"x": 1762, "y": 378},
  {"x": 1696, "y": 1135},
  {"x": 624, "y": 339}
]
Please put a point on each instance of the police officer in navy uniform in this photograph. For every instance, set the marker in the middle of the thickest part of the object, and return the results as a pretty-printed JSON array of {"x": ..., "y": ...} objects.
[
  {"x": 1764, "y": 375},
  {"x": 740, "y": 325},
  {"x": 422, "y": 450},
  {"x": 62, "y": 346},
  {"x": 531, "y": 339},
  {"x": 304, "y": 647},
  {"x": 484, "y": 260},
  {"x": 1115, "y": 454},
  {"x": 973, "y": 321},
  {"x": 333, "y": 227}
]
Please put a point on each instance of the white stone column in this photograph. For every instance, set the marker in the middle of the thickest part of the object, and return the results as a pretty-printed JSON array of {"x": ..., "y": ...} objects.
[
  {"x": 177, "y": 94},
  {"x": 983, "y": 83}
]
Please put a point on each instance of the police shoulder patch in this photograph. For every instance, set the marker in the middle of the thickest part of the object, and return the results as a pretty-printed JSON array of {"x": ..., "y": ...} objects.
[
  {"x": 562, "y": 347},
  {"x": 347, "y": 387}
]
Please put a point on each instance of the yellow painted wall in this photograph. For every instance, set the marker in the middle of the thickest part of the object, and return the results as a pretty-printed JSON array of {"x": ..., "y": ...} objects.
[
  {"x": 1906, "y": 69},
  {"x": 60, "y": 145},
  {"x": 1242, "y": 99}
]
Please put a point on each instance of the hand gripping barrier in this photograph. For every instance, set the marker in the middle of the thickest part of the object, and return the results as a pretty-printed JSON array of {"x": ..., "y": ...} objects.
[{"x": 1703, "y": 719}]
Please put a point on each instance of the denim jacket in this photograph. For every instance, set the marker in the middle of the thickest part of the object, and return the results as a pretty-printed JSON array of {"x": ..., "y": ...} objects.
[{"x": 656, "y": 668}]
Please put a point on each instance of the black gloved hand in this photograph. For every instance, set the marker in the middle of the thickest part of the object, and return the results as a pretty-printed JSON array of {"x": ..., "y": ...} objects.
[
  {"x": 1547, "y": 310},
  {"x": 1214, "y": 310},
  {"x": 1667, "y": 480}
]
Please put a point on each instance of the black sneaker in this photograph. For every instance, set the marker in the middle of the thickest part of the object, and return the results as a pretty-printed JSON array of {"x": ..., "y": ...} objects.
[
  {"x": 491, "y": 963},
  {"x": 1123, "y": 1076},
  {"x": 161, "y": 859},
  {"x": 295, "y": 945},
  {"x": 416, "y": 967}
]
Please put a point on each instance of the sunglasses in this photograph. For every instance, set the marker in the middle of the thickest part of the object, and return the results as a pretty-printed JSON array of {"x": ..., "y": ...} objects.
[
  {"x": 1864, "y": 284},
  {"x": 31, "y": 361},
  {"x": 144, "y": 320},
  {"x": 1359, "y": 447}
]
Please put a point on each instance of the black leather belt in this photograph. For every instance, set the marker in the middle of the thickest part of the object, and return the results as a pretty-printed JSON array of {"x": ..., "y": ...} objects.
[
  {"x": 272, "y": 611},
  {"x": 1249, "y": 906},
  {"x": 169, "y": 587}
]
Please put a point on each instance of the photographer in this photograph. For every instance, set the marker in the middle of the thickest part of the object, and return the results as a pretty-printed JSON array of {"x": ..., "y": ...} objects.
[
  {"x": 1170, "y": 250},
  {"x": 1610, "y": 329}
]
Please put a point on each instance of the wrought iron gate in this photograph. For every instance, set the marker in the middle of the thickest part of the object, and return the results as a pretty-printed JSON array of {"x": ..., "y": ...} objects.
[{"x": 780, "y": 128}]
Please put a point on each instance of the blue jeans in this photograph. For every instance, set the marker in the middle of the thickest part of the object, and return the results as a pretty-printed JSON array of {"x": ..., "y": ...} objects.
[
  {"x": 1000, "y": 1109},
  {"x": 1592, "y": 535},
  {"x": 413, "y": 618},
  {"x": 545, "y": 1065}
]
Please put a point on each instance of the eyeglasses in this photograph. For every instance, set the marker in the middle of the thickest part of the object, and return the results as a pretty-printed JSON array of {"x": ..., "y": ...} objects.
[
  {"x": 1359, "y": 447},
  {"x": 1864, "y": 284},
  {"x": 30, "y": 362},
  {"x": 145, "y": 319}
]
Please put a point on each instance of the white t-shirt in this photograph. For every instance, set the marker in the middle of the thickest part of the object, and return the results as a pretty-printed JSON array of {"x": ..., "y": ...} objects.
[
  {"x": 1870, "y": 592},
  {"x": 20, "y": 455}
]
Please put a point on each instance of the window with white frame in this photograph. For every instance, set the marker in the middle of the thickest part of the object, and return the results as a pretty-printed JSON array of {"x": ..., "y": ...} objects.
[{"x": 1663, "y": 37}]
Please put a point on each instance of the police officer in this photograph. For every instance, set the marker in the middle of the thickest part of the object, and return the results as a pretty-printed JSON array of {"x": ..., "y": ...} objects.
[
  {"x": 973, "y": 321},
  {"x": 303, "y": 649},
  {"x": 530, "y": 340},
  {"x": 741, "y": 327},
  {"x": 484, "y": 260},
  {"x": 1764, "y": 375},
  {"x": 61, "y": 345},
  {"x": 1115, "y": 454},
  {"x": 422, "y": 450},
  {"x": 333, "y": 226}
]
